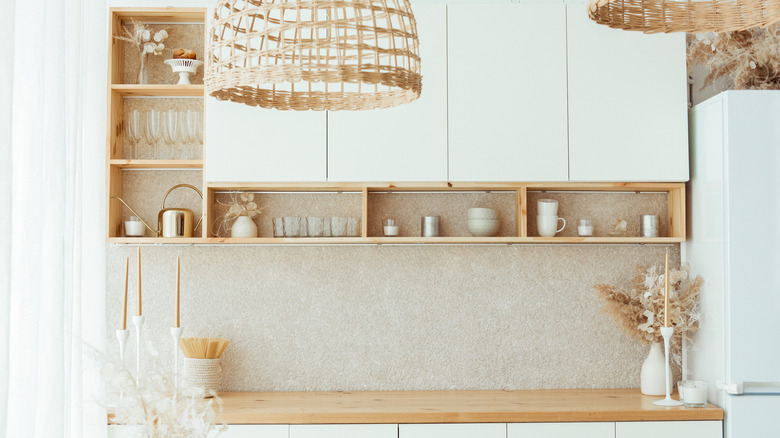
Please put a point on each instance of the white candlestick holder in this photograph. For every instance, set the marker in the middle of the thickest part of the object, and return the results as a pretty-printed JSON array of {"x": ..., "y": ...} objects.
[
  {"x": 138, "y": 321},
  {"x": 176, "y": 335},
  {"x": 121, "y": 336},
  {"x": 667, "y": 332}
]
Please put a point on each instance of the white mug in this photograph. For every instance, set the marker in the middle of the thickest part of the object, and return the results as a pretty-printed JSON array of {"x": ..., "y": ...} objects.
[
  {"x": 546, "y": 225},
  {"x": 547, "y": 207}
]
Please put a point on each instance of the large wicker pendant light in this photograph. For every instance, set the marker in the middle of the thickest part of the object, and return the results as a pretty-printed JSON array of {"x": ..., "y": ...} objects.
[
  {"x": 314, "y": 54},
  {"x": 694, "y": 16}
]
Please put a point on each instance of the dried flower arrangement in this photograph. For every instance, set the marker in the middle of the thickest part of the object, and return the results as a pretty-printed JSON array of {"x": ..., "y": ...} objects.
[
  {"x": 150, "y": 405},
  {"x": 640, "y": 309},
  {"x": 750, "y": 58},
  {"x": 240, "y": 204},
  {"x": 142, "y": 37}
]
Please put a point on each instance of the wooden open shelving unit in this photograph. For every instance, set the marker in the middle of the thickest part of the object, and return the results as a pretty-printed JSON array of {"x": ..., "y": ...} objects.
[
  {"x": 118, "y": 89},
  {"x": 675, "y": 193},
  {"x": 116, "y": 164}
]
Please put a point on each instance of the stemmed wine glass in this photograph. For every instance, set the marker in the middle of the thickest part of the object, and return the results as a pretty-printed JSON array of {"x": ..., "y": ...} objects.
[
  {"x": 199, "y": 130},
  {"x": 153, "y": 129},
  {"x": 190, "y": 120},
  {"x": 134, "y": 130},
  {"x": 171, "y": 129}
]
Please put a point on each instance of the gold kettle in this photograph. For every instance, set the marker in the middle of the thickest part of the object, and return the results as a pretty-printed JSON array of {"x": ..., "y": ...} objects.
[{"x": 171, "y": 222}]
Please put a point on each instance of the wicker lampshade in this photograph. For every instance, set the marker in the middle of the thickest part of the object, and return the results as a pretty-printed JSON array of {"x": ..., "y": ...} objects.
[
  {"x": 655, "y": 16},
  {"x": 314, "y": 54}
]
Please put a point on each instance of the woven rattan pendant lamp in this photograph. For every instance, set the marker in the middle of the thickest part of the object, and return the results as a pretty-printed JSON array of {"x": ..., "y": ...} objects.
[
  {"x": 655, "y": 16},
  {"x": 314, "y": 54}
]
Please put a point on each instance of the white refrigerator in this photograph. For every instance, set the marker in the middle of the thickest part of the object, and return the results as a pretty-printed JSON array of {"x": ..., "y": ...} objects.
[{"x": 734, "y": 244}]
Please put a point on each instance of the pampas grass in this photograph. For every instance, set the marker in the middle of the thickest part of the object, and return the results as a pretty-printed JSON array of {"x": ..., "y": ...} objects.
[
  {"x": 639, "y": 309},
  {"x": 150, "y": 406},
  {"x": 751, "y": 58}
]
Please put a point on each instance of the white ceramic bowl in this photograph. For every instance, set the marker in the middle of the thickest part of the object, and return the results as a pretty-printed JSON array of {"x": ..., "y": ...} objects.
[
  {"x": 482, "y": 227},
  {"x": 481, "y": 213}
]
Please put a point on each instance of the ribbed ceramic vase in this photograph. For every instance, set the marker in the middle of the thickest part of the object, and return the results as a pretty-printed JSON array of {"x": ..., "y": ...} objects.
[
  {"x": 244, "y": 226},
  {"x": 653, "y": 375}
]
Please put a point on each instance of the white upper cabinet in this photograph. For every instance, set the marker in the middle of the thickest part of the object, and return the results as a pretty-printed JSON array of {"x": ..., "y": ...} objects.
[
  {"x": 403, "y": 143},
  {"x": 251, "y": 144},
  {"x": 507, "y": 92},
  {"x": 627, "y": 103}
]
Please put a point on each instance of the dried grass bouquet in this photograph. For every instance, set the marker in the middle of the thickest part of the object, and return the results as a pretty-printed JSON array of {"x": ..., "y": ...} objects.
[
  {"x": 240, "y": 204},
  {"x": 640, "y": 309},
  {"x": 751, "y": 58},
  {"x": 150, "y": 406},
  {"x": 143, "y": 39}
]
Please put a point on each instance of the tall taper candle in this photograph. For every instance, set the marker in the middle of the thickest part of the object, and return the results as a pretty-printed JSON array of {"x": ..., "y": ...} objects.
[
  {"x": 124, "y": 301},
  {"x": 178, "y": 283},
  {"x": 666, "y": 290},
  {"x": 139, "y": 280}
]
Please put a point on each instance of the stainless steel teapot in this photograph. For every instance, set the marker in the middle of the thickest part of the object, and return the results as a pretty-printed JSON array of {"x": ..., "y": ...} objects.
[{"x": 171, "y": 222}]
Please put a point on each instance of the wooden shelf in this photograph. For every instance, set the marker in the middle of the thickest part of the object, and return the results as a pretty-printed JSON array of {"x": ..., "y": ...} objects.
[
  {"x": 160, "y": 90},
  {"x": 156, "y": 240},
  {"x": 161, "y": 15},
  {"x": 156, "y": 164},
  {"x": 439, "y": 240}
]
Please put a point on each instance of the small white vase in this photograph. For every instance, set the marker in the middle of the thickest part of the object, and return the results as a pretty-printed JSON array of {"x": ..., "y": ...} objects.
[
  {"x": 653, "y": 375},
  {"x": 244, "y": 226}
]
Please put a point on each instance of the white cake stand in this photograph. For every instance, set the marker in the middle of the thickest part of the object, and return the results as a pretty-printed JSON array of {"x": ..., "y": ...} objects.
[{"x": 184, "y": 67}]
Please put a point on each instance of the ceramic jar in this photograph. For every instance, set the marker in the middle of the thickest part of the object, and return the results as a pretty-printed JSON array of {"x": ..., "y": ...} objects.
[{"x": 244, "y": 226}]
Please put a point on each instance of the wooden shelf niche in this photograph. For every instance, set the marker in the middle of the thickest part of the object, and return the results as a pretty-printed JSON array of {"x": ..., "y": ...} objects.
[
  {"x": 168, "y": 165},
  {"x": 407, "y": 203}
]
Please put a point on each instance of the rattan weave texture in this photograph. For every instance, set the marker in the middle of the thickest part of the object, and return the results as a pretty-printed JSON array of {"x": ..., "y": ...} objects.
[
  {"x": 656, "y": 16},
  {"x": 314, "y": 54}
]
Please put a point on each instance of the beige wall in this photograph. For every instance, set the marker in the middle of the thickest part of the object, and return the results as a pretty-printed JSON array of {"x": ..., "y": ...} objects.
[{"x": 393, "y": 317}]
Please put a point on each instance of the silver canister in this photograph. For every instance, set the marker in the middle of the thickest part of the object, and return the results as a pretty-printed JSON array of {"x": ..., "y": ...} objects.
[
  {"x": 430, "y": 226},
  {"x": 649, "y": 223}
]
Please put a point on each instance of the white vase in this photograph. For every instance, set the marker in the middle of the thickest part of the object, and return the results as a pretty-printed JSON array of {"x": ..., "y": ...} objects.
[
  {"x": 653, "y": 375},
  {"x": 244, "y": 226}
]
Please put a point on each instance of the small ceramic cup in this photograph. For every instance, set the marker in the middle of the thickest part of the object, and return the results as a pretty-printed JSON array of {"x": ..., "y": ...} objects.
[
  {"x": 547, "y": 225},
  {"x": 547, "y": 207}
]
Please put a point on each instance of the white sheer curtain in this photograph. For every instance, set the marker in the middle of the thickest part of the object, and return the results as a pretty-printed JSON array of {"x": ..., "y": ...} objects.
[{"x": 52, "y": 211}]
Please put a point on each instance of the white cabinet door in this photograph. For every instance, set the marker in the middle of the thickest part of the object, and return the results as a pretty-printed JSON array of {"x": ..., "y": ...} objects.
[
  {"x": 403, "y": 143},
  {"x": 507, "y": 92},
  {"x": 344, "y": 431},
  {"x": 256, "y": 431},
  {"x": 453, "y": 430},
  {"x": 627, "y": 103},
  {"x": 669, "y": 429},
  {"x": 561, "y": 430},
  {"x": 250, "y": 144}
]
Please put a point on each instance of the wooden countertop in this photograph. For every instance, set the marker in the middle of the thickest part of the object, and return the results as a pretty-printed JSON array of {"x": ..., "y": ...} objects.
[{"x": 452, "y": 407}]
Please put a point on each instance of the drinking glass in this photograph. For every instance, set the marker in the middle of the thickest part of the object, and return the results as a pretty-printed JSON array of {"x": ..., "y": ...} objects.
[
  {"x": 134, "y": 130},
  {"x": 171, "y": 130},
  {"x": 199, "y": 128},
  {"x": 189, "y": 122},
  {"x": 153, "y": 129}
]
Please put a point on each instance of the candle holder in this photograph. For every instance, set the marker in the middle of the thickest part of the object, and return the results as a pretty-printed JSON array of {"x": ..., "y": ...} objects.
[
  {"x": 138, "y": 321},
  {"x": 667, "y": 332},
  {"x": 176, "y": 335},
  {"x": 121, "y": 336}
]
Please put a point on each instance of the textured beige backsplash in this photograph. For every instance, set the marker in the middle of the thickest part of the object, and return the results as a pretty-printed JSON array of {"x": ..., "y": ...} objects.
[{"x": 392, "y": 317}]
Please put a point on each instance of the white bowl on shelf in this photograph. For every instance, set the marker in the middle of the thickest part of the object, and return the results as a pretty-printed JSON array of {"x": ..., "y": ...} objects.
[
  {"x": 481, "y": 213},
  {"x": 482, "y": 227}
]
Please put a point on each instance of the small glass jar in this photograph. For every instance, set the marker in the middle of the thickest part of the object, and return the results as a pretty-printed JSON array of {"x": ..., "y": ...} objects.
[
  {"x": 390, "y": 227},
  {"x": 585, "y": 228}
]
